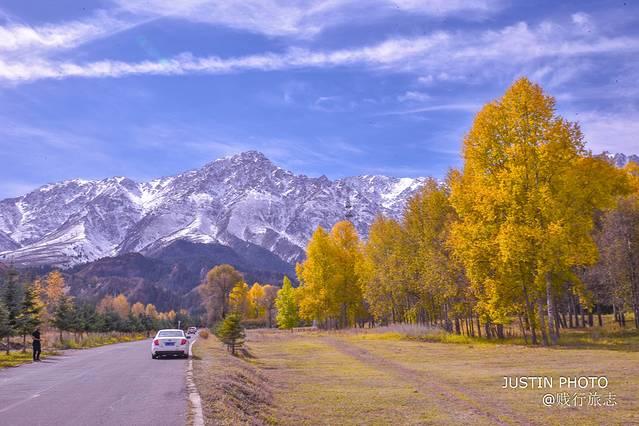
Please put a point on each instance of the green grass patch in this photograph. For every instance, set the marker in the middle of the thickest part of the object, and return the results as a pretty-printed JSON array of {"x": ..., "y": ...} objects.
[{"x": 16, "y": 358}]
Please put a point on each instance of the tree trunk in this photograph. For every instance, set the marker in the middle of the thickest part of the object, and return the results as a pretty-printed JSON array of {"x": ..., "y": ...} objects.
[
  {"x": 570, "y": 323},
  {"x": 523, "y": 329},
  {"x": 478, "y": 327},
  {"x": 574, "y": 308},
  {"x": 530, "y": 317},
  {"x": 457, "y": 326},
  {"x": 24, "y": 343},
  {"x": 551, "y": 311},
  {"x": 542, "y": 321},
  {"x": 472, "y": 327},
  {"x": 500, "y": 331},
  {"x": 599, "y": 318}
]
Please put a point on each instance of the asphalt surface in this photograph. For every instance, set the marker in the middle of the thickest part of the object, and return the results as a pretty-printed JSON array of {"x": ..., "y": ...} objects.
[{"x": 111, "y": 385}]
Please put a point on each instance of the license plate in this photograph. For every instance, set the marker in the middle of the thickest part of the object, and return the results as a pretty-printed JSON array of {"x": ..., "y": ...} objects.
[{"x": 169, "y": 344}]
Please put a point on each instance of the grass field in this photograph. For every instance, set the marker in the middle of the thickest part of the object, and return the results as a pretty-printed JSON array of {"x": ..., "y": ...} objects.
[{"x": 384, "y": 378}]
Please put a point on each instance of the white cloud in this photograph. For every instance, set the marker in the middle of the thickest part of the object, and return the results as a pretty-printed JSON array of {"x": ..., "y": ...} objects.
[
  {"x": 299, "y": 18},
  {"x": 19, "y": 39},
  {"x": 14, "y": 37},
  {"x": 581, "y": 19},
  {"x": 467, "y": 107},
  {"x": 448, "y": 7},
  {"x": 441, "y": 54},
  {"x": 546, "y": 50},
  {"x": 413, "y": 96}
]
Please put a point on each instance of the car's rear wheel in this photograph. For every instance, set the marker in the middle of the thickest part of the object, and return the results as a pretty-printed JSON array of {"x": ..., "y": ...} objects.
[{"x": 154, "y": 356}]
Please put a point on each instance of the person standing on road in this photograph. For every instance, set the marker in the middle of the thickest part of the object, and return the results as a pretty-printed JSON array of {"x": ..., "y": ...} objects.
[{"x": 36, "y": 344}]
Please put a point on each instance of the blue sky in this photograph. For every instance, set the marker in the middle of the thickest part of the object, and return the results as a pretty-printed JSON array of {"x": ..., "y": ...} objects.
[{"x": 147, "y": 88}]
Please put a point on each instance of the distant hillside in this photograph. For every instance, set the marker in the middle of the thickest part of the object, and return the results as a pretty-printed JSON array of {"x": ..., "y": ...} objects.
[{"x": 168, "y": 276}]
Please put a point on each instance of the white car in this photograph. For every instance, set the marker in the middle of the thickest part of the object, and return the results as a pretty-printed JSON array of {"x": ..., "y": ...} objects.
[
  {"x": 170, "y": 342},
  {"x": 191, "y": 330}
]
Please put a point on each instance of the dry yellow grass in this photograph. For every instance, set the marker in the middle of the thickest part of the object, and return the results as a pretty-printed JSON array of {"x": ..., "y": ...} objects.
[{"x": 352, "y": 378}]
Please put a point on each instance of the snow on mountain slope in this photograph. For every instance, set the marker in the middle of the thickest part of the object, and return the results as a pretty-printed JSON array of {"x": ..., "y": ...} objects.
[{"x": 240, "y": 198}]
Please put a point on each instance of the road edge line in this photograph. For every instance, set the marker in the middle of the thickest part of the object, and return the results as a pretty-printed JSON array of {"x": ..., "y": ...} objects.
[{"x": 194, "y": 395}]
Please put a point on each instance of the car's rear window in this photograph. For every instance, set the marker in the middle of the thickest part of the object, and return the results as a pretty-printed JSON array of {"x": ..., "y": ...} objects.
[{"x": 170, "y": 334}]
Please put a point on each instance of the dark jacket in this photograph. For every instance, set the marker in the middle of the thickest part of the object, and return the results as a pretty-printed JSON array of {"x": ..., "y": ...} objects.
[{"x": 36, "y": 338}]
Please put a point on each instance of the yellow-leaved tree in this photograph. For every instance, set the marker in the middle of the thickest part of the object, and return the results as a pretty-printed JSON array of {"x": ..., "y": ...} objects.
[
  {"x": 382, "y": 271},
  {"x": 525, "y": 199},
  {"x": 238, "y": 299},
  {"x": 330, "y": 291},
  {"x": 436, "y": 279},
  {"x": 255, "y": 296}
]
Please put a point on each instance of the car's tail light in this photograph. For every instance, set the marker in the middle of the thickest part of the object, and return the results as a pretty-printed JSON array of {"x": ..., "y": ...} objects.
[
  {"x": 183, "y": 342},
  {"x": 156, "y": 342}
]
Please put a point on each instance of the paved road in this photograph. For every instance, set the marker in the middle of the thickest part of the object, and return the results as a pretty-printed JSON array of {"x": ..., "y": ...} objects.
[{"x": 111, "y": 385}]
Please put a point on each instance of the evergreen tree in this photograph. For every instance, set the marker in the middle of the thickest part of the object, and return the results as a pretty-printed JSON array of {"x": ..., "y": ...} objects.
[
  {"x": 286, "y": 303},
  {"x": 5, "y": 328},
  {"x": 12, "y": 300},
  {"x": 31, "y": 313},
  {"x": 231, "y": 332},
  {"x": 64, "y": 316}
]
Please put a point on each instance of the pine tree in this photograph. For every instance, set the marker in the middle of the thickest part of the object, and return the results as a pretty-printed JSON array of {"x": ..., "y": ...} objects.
[
  {"x": 231, "y": 332},
  {"x": 32, "y": 310},
  {"x": 11, "y": 298},
  {"x": 5, "y": 327},
  {"x": 64, "y": 316},
  {"x": 286, "y": 303}
]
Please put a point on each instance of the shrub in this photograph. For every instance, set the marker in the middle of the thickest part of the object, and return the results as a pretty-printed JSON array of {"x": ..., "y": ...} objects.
[{"x": 231, "y": 332}]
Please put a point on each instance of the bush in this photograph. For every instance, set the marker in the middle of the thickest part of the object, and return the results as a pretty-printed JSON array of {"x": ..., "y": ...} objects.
[{"x": 204, "y": 334}]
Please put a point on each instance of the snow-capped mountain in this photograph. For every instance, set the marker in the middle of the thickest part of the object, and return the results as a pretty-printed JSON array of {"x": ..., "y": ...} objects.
[
  {"x": 232, "y": 201},
  {"x": 620, "y": 160}
]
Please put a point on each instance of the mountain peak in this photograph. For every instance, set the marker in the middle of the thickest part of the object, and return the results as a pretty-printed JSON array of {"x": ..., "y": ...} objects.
[
  {"x": 243, "y": 198},
  {"x": 249, "y": 156}
]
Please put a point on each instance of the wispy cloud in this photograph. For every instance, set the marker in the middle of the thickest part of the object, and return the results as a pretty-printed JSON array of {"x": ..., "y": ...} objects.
[
  {"x": 439, "y": 53},
  {"x": 468, "y": 107},
  {"x": 413, "y": 96},
  {"x": 19, "y": 37},
  {"x": 299, "y": 18}
]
